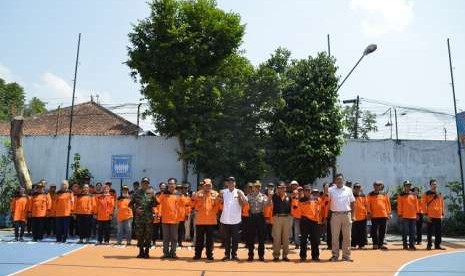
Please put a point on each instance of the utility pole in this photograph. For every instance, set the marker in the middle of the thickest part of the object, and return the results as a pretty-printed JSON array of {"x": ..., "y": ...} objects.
[
  {"x": 395, "y": 118},
  {"x": 138, "y": 118},
  {"x": 72, "y": 107},
  {"x": 356, "y": 116},
  {"x": 456, "y": 125},
  {"x": 329, "y": 46}
]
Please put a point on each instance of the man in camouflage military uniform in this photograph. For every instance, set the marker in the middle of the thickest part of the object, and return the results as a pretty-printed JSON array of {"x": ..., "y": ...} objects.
[{"x": 142, "y": 203}]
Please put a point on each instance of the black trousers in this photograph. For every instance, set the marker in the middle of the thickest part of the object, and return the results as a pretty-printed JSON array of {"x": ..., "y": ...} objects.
[
  {"x": 243, "y": 229},
  {"x": 269, "y": 230},
  {"x": 434, "y": 226},
  {"x": 255, "y": 232},
  {"x": 62, "y": 228},
  {"x": 309, "y": 229},
  {"x": 85, "y": 226},
  {"x": 37, "y": 225},
  {"x": 378, "y": 230},
  {"x": 419, "y": 228},
  {"x": 50, "y": 226},
  {"x": 359, "y": 233},
  {"x": 157, "y": 232},
  {"x": 73, "y": 227},
  {"x": 181, "y": 232},
  {"x": 231, "y": 239},
  {"x": 19, "y": 228},
  {"x": 103, "y": 230},
  {"x": 204, "y": 237}
]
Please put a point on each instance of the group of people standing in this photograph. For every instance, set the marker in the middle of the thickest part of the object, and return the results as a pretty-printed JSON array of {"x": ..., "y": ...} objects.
[{"x": 289, "y": 212}]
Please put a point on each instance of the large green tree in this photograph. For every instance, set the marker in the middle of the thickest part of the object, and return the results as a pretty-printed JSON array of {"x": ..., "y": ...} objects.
[
  {"x": 306, "y": 131},
  {"x": 173, "y": 53},
  {"x": 11, "y": 100}
]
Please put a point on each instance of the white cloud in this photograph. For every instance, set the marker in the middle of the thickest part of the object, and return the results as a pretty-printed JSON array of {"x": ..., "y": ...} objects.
[
  {"x": 7, "y": 75},
  {"x": 384, "y": 16}
]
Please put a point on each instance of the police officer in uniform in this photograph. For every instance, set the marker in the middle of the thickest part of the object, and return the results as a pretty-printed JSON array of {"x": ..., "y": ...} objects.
[
  {"x": 256, "y": 221},
  {"x": 142, "y": 204}
]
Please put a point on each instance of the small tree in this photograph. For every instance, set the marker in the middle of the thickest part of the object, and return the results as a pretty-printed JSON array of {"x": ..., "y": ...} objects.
[
  {"x": 80, "y": 174},
  {"x": 366, "y": 123},
  {"x": 454, "y": 223},
  {"x": 34, "y": 107}
]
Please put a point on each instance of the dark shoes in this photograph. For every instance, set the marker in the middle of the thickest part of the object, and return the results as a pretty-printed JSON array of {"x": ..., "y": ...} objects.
[
  {"x": 275, "y": 259},
  {"x": 225, "y": 258},
  {"x": 141, "y": 253},
  {"x": 333, "y": 259},
  {"x": 196, "y": 258},
  {"x": 439, "y": 248},
  {"x": 383, "y": 247},
  {"x": 286, "y": 259},
  {"x": 235, "y": 258}
]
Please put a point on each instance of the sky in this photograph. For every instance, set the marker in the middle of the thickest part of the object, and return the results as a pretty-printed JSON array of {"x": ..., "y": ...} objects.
[{"x": 38, "y": 41}]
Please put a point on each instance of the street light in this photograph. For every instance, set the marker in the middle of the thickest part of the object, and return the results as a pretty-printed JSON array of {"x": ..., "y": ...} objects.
[{"x": 368, "y": 50}]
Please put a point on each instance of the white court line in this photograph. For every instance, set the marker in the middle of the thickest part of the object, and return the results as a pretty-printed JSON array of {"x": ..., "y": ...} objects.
[
  {"x": 425, "y": 257},
  {"x": 46, "y": 261}
]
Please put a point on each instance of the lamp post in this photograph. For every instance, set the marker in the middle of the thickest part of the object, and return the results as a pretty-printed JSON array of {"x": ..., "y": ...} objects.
[{"x": 368, "y": 50}]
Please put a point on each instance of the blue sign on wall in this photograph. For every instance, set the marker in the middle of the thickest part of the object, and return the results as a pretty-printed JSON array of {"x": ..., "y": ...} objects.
[
  {"x": 121, "y": 166},
  {"x": 461, "y": 127}
]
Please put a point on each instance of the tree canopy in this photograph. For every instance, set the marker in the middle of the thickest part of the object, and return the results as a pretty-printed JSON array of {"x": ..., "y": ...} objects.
[{"x": 11, "y": 100}]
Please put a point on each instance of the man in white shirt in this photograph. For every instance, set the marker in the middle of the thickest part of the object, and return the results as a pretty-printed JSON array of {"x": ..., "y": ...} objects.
[
  {"x": 233, "y": 199},
  {"x": 341, "y": 204}
]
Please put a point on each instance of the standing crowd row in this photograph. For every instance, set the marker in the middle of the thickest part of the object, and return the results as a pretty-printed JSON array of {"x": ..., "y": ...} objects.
[{"x": 283, "y": 213}]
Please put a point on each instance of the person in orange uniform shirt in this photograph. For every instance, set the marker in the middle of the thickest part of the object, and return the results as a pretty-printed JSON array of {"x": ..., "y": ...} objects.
[
  {"x": 408, "y": 208},
  {"x": 206, "y": 206},
  {"x": 19, "y": 206},
  {"x": 73, "y": 224},
  {"x": 170, "y": 205},
  {"x": 310, "y": 212},
  {"x": 84, "y": 210},
  {"x": 40, "y": 203},
  {"x": 379, "y": 211},
  {"x": 49, "y": 228},
  {"x": 64, "y": 203},
  {"x": 182, "y": 215},
  {"x": 268, "y": 213},
  {"x": 124, "y": 217},
  {"x": 359, "y": 226},
  {"x": 105, "y": 205},
  {"x": 433, "y": 208}
]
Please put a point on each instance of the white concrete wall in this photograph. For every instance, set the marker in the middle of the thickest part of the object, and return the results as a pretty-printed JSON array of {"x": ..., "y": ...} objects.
[
  {"x": 154, "y": 157},
  {"x": 415, "y": 160}
]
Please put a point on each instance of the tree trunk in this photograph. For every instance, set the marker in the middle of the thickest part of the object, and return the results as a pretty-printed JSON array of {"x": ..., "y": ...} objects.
[
  {"x": 182, "y": 156},
  {"x": 16, "y": 134}
]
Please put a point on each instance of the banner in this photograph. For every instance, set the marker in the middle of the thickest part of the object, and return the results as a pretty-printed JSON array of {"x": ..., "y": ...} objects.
[
  {"x": 121, "y": 166},
  {"x": 461, "y": 127}
]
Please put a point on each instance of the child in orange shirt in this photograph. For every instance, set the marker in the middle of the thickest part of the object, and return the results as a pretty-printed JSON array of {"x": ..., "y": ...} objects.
[{"x": 124, "y": 217}]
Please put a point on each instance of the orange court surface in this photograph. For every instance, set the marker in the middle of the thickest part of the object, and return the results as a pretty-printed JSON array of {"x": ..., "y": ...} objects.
[{"x": 114, "y": 261}]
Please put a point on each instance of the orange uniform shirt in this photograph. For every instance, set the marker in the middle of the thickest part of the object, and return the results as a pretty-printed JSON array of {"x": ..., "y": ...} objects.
[
  {"x": 19, "y": 207},
  {"x": 206, "y": 206},
  {"x": 171, "y": 205},
  {"x": 63, "y": 203},
  {"x": 124, "y": 212},
  {"x": 361, "y": 207},
  {"x": 85, "y": 205},
  {"x": 310, "y": 209},
  {"x": 295, "y": 211},
  {"x": 433, "y": 204},
  {"x": 325, "y": 205},
  {"x": 51, "y": 211},
  {"x": 408, "y": 206},
  {"x": 40, "y": 203},
  {"x": 379, "y": 205},
  {"x": 105, "y": 205},
  {"x": 245, "y": 210}
]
